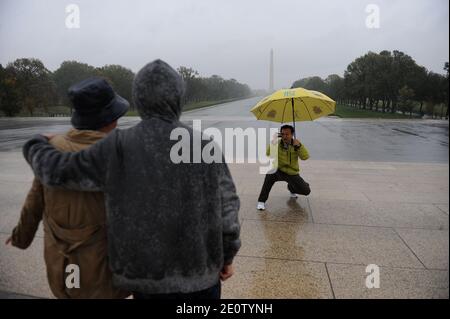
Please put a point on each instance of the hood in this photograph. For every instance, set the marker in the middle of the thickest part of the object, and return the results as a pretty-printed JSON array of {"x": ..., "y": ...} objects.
[{"x": 158, "y": 91}]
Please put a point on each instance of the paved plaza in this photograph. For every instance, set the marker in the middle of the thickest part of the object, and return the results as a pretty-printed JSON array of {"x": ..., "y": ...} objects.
[{"x": 380, "y": 195}]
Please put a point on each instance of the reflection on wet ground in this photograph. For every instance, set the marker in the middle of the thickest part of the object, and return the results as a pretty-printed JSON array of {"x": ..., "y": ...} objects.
[
  {"x": 379, "y": 196},
  {"x": 326, "y": 139}
]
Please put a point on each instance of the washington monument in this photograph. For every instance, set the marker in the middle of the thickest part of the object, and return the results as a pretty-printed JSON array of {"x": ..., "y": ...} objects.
[{"x": 271, "y": 72}]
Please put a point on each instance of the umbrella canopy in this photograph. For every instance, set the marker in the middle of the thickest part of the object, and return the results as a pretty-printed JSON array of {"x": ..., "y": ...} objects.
[{"x": 293, "y": 105}]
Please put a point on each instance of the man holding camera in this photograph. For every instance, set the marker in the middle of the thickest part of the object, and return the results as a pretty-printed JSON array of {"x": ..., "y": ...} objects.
[{"x": 286, "y": 151}]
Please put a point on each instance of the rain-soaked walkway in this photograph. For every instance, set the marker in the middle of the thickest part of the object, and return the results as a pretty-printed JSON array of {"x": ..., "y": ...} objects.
[
  {"x": 327, "y": 139},
  {"x": 379, "y": 196}
]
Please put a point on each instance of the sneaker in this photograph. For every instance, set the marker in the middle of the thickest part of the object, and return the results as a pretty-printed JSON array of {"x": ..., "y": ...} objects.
[
  {"x": 293, "y": 195},
  {"x": 261, "y": 206}
]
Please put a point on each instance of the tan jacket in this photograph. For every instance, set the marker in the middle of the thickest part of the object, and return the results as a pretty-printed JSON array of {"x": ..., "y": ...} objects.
[{"x": 74, "y": 230}]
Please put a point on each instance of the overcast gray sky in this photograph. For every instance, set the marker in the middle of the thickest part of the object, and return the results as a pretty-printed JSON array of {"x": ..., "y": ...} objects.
[{"x": 230, "y": 38}]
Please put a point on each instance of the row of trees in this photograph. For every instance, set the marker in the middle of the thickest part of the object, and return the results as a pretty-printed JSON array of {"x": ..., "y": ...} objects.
[
  {"x": 386, "y": 82},
  {"x": 27, "y": 85},
  {"x": 211, "y": 88}
]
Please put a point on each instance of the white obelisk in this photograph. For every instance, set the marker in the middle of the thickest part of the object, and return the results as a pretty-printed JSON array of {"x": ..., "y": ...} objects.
[{"x": 271, "y": 87}]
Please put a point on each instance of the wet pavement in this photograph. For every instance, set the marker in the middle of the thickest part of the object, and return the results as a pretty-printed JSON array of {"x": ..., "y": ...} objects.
[
  {"x": 379, "y": 196},
  {"x": 345, "y": 139},
  {"x": 326, "y": 139}
]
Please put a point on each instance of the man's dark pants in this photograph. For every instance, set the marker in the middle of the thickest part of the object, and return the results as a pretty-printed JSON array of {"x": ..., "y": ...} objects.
[
  {"x": 296, "y": 184},
  {"x": 211, "y": 293}
]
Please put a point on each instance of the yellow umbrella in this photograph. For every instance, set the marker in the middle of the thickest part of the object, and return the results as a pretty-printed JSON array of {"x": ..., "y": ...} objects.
[{"x": 294, "y": 105}]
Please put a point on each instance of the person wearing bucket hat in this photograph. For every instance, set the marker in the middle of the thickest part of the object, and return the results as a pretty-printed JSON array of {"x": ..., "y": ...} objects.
[
  {"x": 74, "y": 221},
  {"x": 173, "y": 227}
]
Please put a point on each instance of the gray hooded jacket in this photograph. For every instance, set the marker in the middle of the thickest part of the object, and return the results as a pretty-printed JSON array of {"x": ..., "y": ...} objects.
[{"x": 171, "y": 227}]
